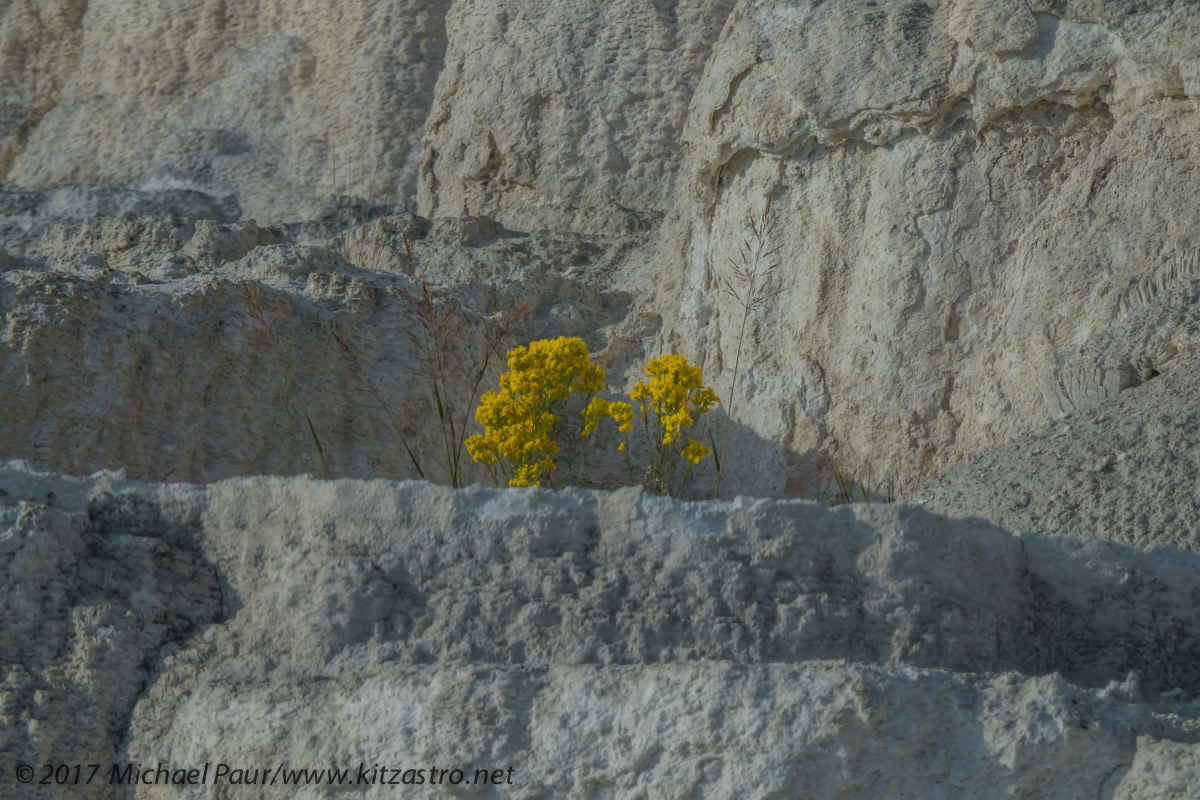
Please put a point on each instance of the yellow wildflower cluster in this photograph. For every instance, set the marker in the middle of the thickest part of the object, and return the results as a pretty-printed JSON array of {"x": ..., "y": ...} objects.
[
  {"x": 622, "y": 414},
  {"x": 694, "y": 451},
  {"x": 519, "y": 421},
  {"x": 669, "y": 405},
  {"x": 675, "y": 386}
]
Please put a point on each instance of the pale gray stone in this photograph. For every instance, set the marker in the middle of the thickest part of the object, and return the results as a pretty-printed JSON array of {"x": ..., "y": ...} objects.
[
  {"x": 607, "y": 640},
  {"x": 266, "y": 99},
  {"x": 564, "y": 115}
]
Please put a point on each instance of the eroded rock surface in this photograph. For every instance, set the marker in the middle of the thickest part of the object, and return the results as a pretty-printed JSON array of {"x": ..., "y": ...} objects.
[
  {"x": 966, "y": 194},
  {"x": 986, "y": 230},
  {"x": 559, "y": 115},
  {"x": 983, "y": 211},
  {"x": 265, "y": 100},
  {"x": 129, "y": 341},
  {"x": 601, "y": 642},
  {"x": 1127, "y": 471}
]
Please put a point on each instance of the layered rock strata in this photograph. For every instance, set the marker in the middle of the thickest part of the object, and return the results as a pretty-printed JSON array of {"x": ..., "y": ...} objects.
[
  {"x": 966, "y": 195},
  {"x": 128, "y": 340},
  {"x": 607, "y": 643},
  {"x": 982, "y": 210}
]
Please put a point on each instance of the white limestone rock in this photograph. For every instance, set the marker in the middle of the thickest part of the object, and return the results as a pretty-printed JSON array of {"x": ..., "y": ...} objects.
[
  {"x": 968, "y": 193},
  {"x": 1124, "y": 470},
  {"x": 958, "y": 204},
  {"x": 128, "y": 342},
  {"x": 564, "y": 115},
  {"x": 255, "y": 99},
  {"x": 603, "y": 642}
]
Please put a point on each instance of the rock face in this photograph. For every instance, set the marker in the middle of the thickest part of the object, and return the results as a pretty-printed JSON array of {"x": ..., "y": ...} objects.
[
  {"x": 981, "y": 214},
  {"x": 601, "y": 642},
  {"x": 961, "y": 239},
  {"x": 965, "y": 195},
  {"x": 129, "y": 341},
  {"x": 256, "y": 100},
  {"x": 559, "y": 115},
  {"x": 1126, "y": 471}
]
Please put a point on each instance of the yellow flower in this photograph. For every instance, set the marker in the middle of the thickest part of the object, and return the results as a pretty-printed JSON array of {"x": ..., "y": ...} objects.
[
  {"x": 695, "y": 451},
  {"x": 519, "y": 420},
  {"x": 675, "y": 386},
  {"x": 622, "y": 414},
  {"x": 705, "y": 398},
  {"x": 670, "y": 401},
  {"x": 598, "y": 408},
  {"x": 480, "y": 451}
]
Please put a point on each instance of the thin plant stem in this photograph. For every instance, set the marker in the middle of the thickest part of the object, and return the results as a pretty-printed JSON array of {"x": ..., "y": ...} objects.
[
  {"x": 437, "y": 395},
  {"x": 628, "y": 457},
  {"x": 752, "y": 273},
  {"x": 295, "y": 437},
  {"x": 358, "y": 373},
  {"x": 268, "y": 340},
  {"x": 487, "y": 357},
  {"x": 732, "y": 398}
]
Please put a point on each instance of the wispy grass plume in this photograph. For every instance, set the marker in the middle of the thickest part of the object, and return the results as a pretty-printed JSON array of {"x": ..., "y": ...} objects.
[{"x": 749, "y": 286}]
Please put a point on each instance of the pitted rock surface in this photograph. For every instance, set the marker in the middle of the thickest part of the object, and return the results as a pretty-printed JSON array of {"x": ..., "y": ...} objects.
[{"x": 735, "y": 646}]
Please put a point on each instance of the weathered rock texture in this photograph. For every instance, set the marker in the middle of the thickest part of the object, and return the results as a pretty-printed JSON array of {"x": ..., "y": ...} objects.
[
  {"x": 984, "y": 220},
  {"x": 556, "y": 114},
  {"x": 601, "y": 643},
  {"x": 127, "y": 341},
  {"x": 255, "y": 100},
  {"x": 983, "y": 210},
  {"x": 1128, "y": 471},
  {"x": 965, "y": 195}
]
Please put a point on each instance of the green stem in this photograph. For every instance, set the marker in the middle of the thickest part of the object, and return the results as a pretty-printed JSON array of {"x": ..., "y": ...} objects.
[
  {"x": 400, "y": 433},
  {"x": 287, "y": 409},
  {"x": 320, "y": 450},
  {"x": 733, "y": 389},
  {"x": 474, "y": 392},
  {"x": 650, "y": 444},
  {"x": 582, "y": 441},
  {"x": 437, "y": 395},
  {"x": 454, "y": 466},
  {"x": 628, "y": 457},
  {"x": 291, "y": 387},
  {"x": 583, "y": 463}
]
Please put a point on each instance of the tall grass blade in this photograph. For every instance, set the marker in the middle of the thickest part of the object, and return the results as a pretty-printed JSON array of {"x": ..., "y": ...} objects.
[{"x": 317, "y": 442}]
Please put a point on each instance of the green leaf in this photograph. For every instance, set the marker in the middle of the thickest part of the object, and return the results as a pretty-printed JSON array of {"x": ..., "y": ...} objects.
[
  {"x": 438, "y": 396},
  {"x": 317, "y": 442}
]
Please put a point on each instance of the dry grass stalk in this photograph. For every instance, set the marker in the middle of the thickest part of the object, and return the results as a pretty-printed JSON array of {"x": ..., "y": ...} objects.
[
  {"x": 266, "y": 338},
  {"x": 359, "y": 374},
  {"x": 753, "y": 270},
  {"x": 435, "y": 322}
]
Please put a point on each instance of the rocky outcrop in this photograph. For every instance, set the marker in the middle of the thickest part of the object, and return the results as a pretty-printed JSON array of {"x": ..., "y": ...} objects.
[
  {"x": 129, "y": 341},
  {"x": 566, "y": 116},
  {"x": 88, "y": 611},
  {"x": 965, "y": 194},
  {"x": 264, "y": 101},
  {"x": 981, "y": 213},
  {"x": 599, "y": 642},
  {"x": 1126, "y": 471},
  {"x": 983, "y": 261}
]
